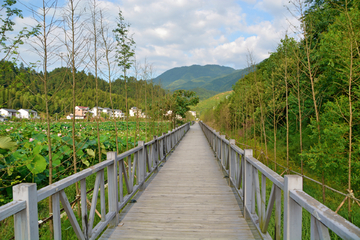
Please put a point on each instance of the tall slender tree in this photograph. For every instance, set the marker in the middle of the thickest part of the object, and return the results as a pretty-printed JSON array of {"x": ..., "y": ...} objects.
[{"x": 125, "y": 51}]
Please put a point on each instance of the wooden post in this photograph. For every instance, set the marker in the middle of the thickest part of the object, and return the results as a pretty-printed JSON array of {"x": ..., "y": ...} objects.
[
  {"x": 292, "y": 210},
  {"x": 222, "y": 151},
  {"x": 247, "y": 186},
  {"x": 232, "y": 165},
  {"x": 84, "y": 213},
  {"x": 142, "y": 165},
  {"x": 26, "y": 222},
  {"x": 168, "y": 142},
  {"x": 164, "y": 146},
  {"x": 155, "y": 154},
  {"x": 112, "y": 189},
  {"x": 57, "y": 217},
  {"x": 213, "y": 136}
]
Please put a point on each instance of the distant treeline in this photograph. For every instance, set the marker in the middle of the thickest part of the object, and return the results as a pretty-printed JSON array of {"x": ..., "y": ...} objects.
[{"x": 22, "y": 87}]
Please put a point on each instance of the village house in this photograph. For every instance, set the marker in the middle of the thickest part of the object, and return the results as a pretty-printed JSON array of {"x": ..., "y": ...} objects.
[
  {"x": 134, "y": 111},
  {"x": 95, "y": 111},
  {"x": 10, "y": 113},
  {"x": 80, "y": 113},
  {"x": 27, "y": 113},
  {"x": 117, "y": 113}
]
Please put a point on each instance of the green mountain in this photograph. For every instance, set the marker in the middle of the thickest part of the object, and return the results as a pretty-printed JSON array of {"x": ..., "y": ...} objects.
[
  {"x": 195, "y": 75},
  {"x": 206, "y": 81}
]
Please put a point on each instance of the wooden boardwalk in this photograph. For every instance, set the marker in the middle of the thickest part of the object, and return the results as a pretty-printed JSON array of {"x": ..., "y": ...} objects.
[{"x": 188, "y": 199}]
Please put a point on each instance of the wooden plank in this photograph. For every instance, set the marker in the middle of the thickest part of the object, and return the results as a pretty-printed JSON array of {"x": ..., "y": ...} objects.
[
  {"x": 93, "y": 203},
  {"x": 113, "y": 191},
  {"x": 188, "y": 197},
  {"x": 102, "y": 197},
  {"x": 269, "y": 209},
  {"x": 329, "y": 218},
  {"x": 26, "y": 221},
  {"x": 277, "y": 213},
  {"x": 56, "y": 216},
  {"x": 71, "y": 215},
  {"x": 11, "y": 208},
  {"x": 84, "y": 213}
]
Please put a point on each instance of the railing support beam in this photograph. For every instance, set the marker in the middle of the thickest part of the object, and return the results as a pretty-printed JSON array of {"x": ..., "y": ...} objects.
[{"x": 292, "y": 210}]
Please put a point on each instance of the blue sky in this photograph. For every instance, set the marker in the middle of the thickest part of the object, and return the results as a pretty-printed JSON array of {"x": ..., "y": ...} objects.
[{"x": 174, "y": 33}]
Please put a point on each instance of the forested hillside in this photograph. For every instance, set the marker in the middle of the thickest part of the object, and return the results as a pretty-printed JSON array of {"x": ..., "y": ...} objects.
[
  {"x": 206, "y": 81},
  {"x": 301, "y": 105},
  {"x": 23, "y": 88}
]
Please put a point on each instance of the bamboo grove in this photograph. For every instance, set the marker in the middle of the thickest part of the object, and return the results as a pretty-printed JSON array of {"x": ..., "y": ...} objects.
[{"x": 301, "y": 105}]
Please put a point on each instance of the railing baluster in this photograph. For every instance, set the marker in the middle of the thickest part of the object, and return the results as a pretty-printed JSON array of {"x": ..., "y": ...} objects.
[
  {"x": 232, "y": 165},
  {"x": 84, "y": 214},
  {"x": 277, "y": 213},
  {"x": 57, "y": 217},
  {"x": 94, "y": 202},
  {"x": 71, "y": 215},
  {"x": 318, "y": 230},
  {"x": 263, "y": 200},
  {"x": 130, "y": 174},
  {"x": 113, "y": 188},
  {"x": 141, "y": 165},
  {"x": 121, "y": 184},
  {"x": 247, "y": 186},
  {"x": 257, "y": 190}
]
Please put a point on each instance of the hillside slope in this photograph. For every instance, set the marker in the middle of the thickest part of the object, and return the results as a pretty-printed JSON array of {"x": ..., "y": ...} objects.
[
  {"x": 175, "y": 78},
  {"x": 203, "y": 106},
  {"x": 206, "y": 81}
]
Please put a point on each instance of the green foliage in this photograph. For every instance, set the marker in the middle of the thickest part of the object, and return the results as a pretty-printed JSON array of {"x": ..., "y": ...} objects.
[
  {"x": 213, "y": 78},
  {"x": 24, "y": 149},
  {"x": 204, "y": 93},
  {"x": 329, "y": 57},
  {"x": 209, "y": 103},
  {"x": 124, "y": 43},
  {"x": 182, "y": 100},
  {"x": 14, "y": 95}
]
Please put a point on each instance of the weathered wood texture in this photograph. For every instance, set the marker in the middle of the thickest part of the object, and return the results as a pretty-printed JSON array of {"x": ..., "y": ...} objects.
[{"x": 188, "y": 199}]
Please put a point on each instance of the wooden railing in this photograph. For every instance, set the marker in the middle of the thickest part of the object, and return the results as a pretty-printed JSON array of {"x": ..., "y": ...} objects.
[
  {"x": 244, "y": 173},
  {"x": 142, "y": 161}
]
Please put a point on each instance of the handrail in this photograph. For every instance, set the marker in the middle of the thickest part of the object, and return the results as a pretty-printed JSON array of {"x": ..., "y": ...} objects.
[
  {"x": 142, "y": 160},
  {"x": 244, "y": 172}
]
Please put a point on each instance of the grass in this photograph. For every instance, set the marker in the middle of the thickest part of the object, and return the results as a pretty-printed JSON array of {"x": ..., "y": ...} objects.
[{"x": 209, "y": 103}]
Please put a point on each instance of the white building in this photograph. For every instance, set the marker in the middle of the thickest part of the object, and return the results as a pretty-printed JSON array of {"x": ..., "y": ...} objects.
[
  {"x": 27, "y": 113},
  {"x": 95, "y": 111},
  {"x": 134, "y": 111},
  {"x": 117, "y": 113},
  {"x": 193, "y": 113},
  {"x": 10, "y": 113},
  {"x": 70, "y": 116}
]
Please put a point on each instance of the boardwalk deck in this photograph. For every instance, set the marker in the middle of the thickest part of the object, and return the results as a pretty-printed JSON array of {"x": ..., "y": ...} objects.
[{"x": 188, "y": 199}]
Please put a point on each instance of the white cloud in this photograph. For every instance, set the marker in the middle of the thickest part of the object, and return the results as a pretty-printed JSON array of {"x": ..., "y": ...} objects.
[{"x": 184, "y": 32}]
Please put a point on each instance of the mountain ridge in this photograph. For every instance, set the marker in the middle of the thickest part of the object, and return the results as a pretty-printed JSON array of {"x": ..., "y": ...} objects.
[{"x": 206, "y": 81}]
